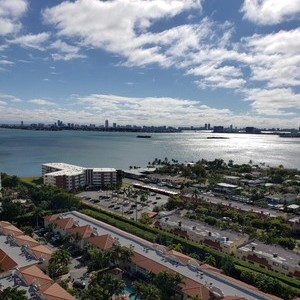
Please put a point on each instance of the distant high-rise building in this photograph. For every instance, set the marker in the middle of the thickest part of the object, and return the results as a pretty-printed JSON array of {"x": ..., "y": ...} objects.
[
  {"x": 106, "y": 123},
  {"x": 205, "y": 126},
  {"x": 208, "y": 126},
  {"x": 22, "y": 123},
  {"x": 114, "y": 125}
]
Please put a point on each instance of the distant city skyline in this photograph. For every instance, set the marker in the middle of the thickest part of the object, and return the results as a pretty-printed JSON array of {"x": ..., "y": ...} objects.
[{"x": 176, "y": 62}]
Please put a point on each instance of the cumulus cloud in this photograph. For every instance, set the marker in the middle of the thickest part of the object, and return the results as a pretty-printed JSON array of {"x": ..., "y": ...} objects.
[
  {"x": 10, "y": 13},
  {"x": 65, "y": 51},
  {"x": 124, "y": 28},
  {"x": 116, "y": 26},
  {"x": 34, "y": 41},
  {"x": 41, "y": 102},
  {"x": 149, "y": 110},
  {"x": 275, "y": 58},
  {"x": 273, "y": 101},
  {"x": 267, "y": 12},
  {"x": 10, "y": 98}
]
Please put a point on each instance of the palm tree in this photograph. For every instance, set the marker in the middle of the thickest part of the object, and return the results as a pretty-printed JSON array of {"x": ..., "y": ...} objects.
[
  {"x": 167, "y": 283},
  {"x": 58, "y": 263},
  {"x": 38, "y": 213},
  {"x": 120, "y": 255},
  {"x": 98, "y": 259},
  {"x": 103, "y": 287},
  {"x": 13, "y": 294},
  {"x": 146, "y": 292}
]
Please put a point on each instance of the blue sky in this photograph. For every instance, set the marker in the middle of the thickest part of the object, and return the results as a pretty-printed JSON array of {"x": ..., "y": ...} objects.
[{"x": 151, "y": 62}]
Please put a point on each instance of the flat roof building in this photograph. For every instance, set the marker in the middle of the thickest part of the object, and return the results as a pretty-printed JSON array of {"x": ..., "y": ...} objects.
[
  {"x": 71, "y": 177},
  {"x": 223, "y": 240},
  {"x": 156, "y": 258},
  {"x": 271, "y": 257}
]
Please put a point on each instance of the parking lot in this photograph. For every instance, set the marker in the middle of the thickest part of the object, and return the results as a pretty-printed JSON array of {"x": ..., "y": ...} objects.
[{"x": 123, "y": 204}]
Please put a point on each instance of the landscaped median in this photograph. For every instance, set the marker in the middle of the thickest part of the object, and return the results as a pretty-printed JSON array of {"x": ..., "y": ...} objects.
[{"x": 275, "y": 283}]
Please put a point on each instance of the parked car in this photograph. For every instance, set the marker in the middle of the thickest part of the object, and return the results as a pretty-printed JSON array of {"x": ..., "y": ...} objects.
[{"x": 79, "y": 285}]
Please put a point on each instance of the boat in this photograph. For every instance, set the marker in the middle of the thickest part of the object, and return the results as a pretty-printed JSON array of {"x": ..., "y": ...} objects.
[{"x": 144, "y": 136}]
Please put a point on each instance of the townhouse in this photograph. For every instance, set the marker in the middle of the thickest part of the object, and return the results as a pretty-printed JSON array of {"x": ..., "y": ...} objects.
[
  {"x": 198, "y": 279},
  {"x": 222, "y": 240},
  {"x": 19, "y": 256},
  {"x": 272, "y": 257}
]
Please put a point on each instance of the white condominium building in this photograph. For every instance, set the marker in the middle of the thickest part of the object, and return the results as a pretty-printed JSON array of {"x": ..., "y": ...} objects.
[{"x": 70, "y": 177}]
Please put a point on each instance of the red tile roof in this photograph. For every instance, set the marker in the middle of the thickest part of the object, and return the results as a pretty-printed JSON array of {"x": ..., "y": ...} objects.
[
  {"x": 83, "y": 231},
  {"x": 4, "y": 223},
  {"x": 147, "y": 263},
  {"x": 55, "y": 292},
  {"x": 64, "y": 223},
  {"x": 50, "y": 218},
  {"x": 41, "y": 251},
  {"x": 32, "y": 274},
  {"x": 192, "y": 288},
  {"x": 103, "y": 242},
  {"x": 12, "y": 230},
  {"x": 182, "y": 257},
  {"x": 26, "y": 239},
  {"x": 6, "y": 262}
]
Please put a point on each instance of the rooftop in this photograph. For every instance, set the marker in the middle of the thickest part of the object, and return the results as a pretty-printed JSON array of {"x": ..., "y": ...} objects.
[
  {"x": 225, "y": 236},
  {"x": 15, "y": 253},
  {"x": 274, "y": 252},
  {"x": 144, "y": 250},
  {"x": 67, "y": 169}
]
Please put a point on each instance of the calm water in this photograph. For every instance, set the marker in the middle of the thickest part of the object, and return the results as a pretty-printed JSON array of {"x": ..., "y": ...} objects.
[{"x": 22, "y": 152}]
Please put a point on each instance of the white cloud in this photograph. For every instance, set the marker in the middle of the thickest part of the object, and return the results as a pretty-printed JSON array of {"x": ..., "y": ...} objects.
[
  {"x": 146, "y": 111},
  {"x": 10, "y": 13},
  {"x": 275, "y": 58},
  {"x": 117, "y": 26},
  {"x": 34, "y": 41},
  {"x": 65, "y": 51},
  {"x": 5, "y": 62},
  {"x": 273, "y": 101},
  {"x": 10, "y": 98},
  {"x": 268, "y": 12},
  {"x": 41, "y": 102},
  {"x": 149, "y": 110}
]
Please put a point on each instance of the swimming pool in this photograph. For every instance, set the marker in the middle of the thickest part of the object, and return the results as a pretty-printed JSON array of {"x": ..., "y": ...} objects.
[{"x": 131, "y": 292}]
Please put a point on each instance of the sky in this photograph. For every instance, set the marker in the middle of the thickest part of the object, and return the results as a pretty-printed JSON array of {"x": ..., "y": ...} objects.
[{"x": 151, "y": 62}]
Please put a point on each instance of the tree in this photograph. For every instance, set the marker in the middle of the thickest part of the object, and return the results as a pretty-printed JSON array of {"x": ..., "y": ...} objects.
[
  {"x": 58, "y": 263},
  {"x": 98, "y": 259},
  {"x": 145, "y": 219},
  {"x": 13, "y": 294},
  {"x": 103, "y": 287},
  {"x": 119, "y": 255},
  {"x": 167, "y": 283},
  {"x": 10, "y": 211},
  {"x": 146, "y": 292},
  {"x": 209, "y": 259}
]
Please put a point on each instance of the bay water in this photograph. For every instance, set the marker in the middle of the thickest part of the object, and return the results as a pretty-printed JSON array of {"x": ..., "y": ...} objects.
[{"x": 22, "y": 152}]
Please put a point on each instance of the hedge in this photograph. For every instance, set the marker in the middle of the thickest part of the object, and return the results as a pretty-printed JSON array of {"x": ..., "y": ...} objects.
[{"x": 189, "y": 247}]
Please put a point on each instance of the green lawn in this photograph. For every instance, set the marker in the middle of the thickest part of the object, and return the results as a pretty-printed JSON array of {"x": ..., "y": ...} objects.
[{"x": 32, "y": 180}]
